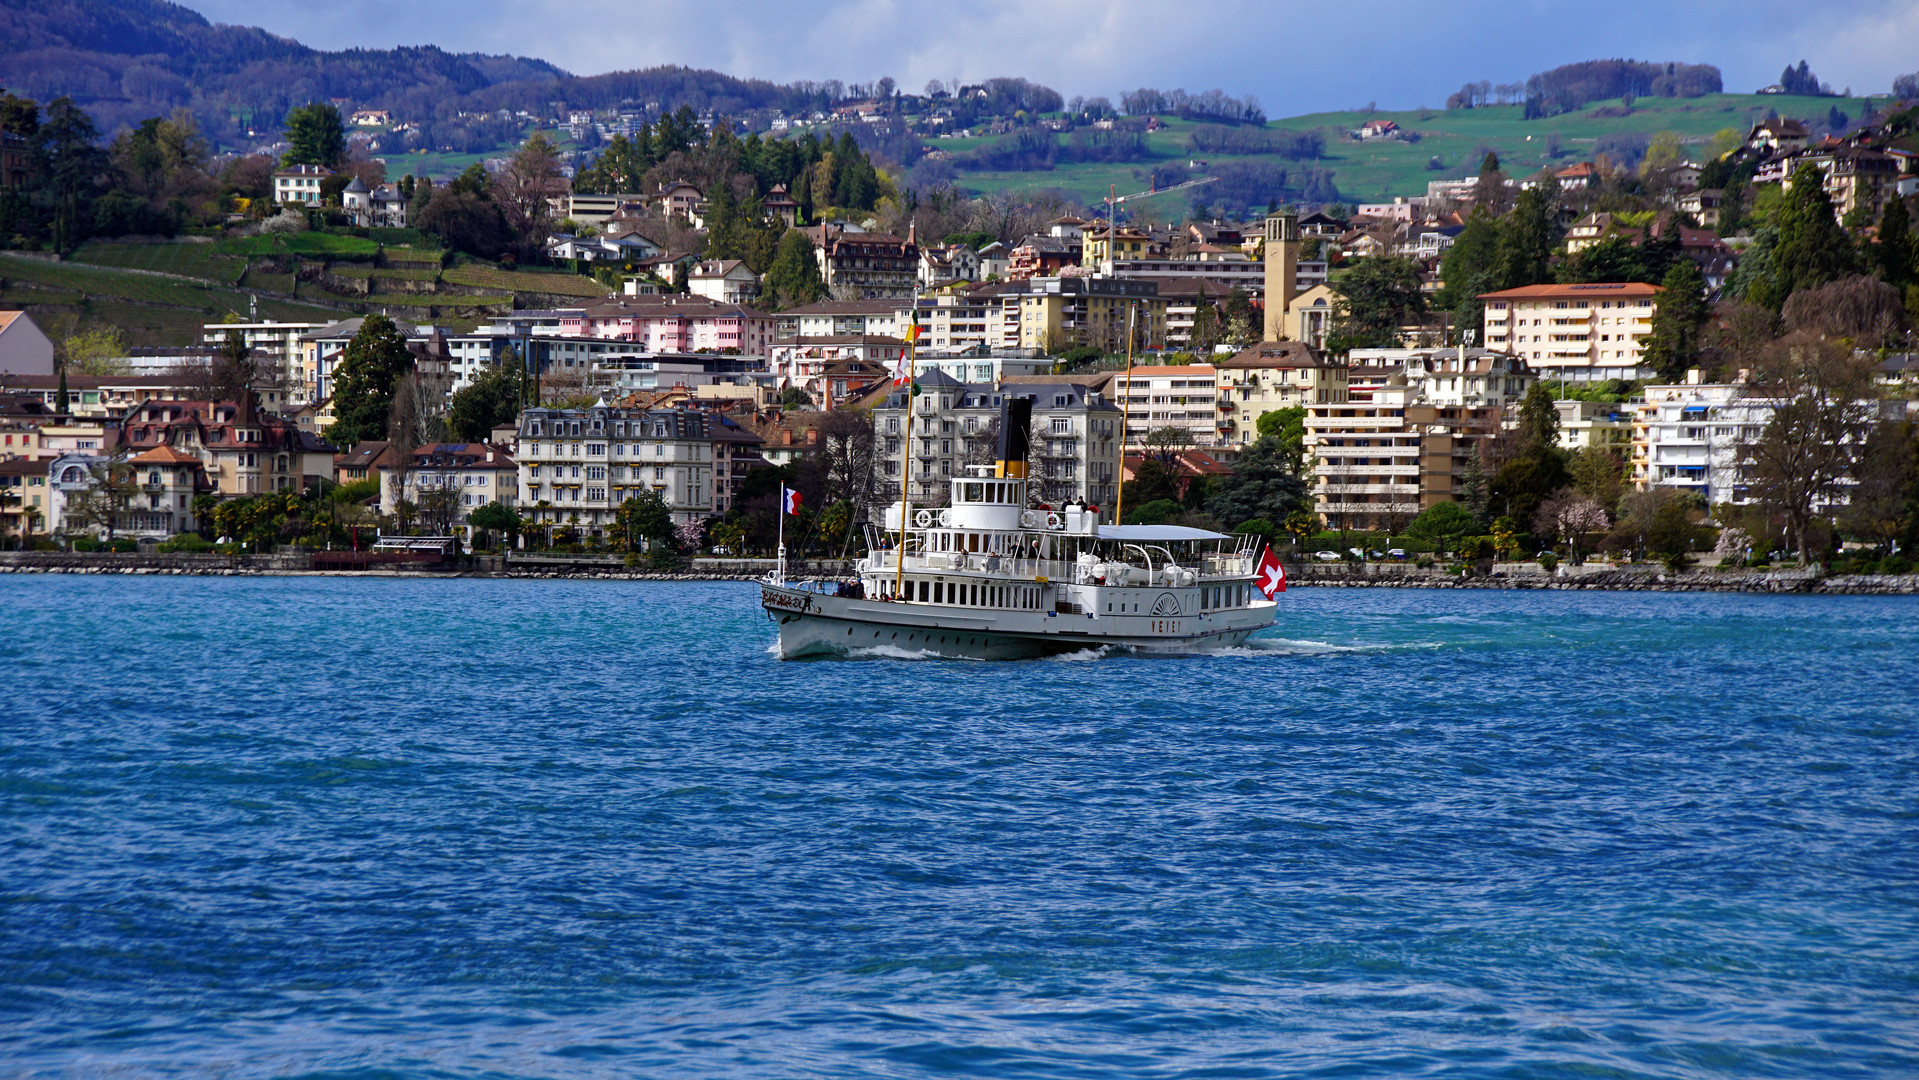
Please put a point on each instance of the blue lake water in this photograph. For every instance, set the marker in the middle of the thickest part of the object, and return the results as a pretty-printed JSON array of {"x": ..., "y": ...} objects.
[{"x": 355, "y": 829}]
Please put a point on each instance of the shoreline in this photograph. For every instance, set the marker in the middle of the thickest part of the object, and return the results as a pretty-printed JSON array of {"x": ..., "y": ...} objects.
[{"x": 1636, "y": 578}]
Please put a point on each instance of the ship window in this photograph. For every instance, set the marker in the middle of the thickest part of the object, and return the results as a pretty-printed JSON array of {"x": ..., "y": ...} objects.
[
  {"x": 923, "y": 594},
  {"x": 972, "y": 493}
]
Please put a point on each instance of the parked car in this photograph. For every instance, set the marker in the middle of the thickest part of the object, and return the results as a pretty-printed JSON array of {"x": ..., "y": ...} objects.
[
  {"x": 1326, "y": 556},
  {"x": 1396, "y": 553}
]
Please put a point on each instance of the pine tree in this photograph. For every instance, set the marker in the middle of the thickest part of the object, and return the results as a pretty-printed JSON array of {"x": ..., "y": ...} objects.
[
  {"x": 1813, "y": 249},
  {"x": 1674, "y": 344},
  {"x": 794, "y": 277},
  {"x": 363, "y": 382},
  {"x": 315, "y": 135},
  {"x": 1526, "y": 239},
  {"x": 1895, "y": 250}
]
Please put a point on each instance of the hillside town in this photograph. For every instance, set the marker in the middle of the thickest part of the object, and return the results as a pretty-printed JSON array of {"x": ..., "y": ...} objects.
[{"x": 1704, "y": 353}]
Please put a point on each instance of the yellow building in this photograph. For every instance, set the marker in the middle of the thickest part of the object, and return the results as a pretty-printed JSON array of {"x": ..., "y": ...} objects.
[
  {"x": 1124, "y": 244},
  {"x": 1271, "y": 376},
  {"x": 1049, "y": 314}
]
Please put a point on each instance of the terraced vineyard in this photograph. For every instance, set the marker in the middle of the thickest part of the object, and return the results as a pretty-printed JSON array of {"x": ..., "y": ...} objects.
[
  {"x": 308, "y": 277},
  {"x": 187, "y": 260}
]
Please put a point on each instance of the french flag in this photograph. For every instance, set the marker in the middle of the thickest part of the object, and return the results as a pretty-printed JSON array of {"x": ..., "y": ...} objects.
[{"x": 789, "y": 501}]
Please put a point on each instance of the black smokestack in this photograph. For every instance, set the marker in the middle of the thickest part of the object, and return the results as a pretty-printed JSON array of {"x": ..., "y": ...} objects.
[{"x": 1015, "y": 417}]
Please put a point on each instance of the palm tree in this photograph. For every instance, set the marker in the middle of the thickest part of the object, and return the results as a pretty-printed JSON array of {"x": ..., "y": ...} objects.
[{"x": 8, "y": 497}]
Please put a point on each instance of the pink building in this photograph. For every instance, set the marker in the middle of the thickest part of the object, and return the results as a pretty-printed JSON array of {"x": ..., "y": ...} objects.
[{"x": 674, "y": 324}]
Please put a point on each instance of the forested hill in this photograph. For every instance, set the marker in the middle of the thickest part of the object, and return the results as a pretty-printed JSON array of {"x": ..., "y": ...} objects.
[{"x": 124, "y": 60}]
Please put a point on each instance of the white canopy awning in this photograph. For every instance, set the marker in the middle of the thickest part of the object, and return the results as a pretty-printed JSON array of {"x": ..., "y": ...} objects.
[{"x": 1156, "y": 534}]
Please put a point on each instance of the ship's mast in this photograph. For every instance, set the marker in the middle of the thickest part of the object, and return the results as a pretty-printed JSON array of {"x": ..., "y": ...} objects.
[
  {"x": 1119, "y": 502},
  {"x": 906, "y": 441}
]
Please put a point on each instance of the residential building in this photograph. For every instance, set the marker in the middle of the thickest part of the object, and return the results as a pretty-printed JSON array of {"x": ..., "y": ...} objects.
[
  {"x": 1241, "y": 273},
  {"x": 805, "y": 362},
  {"x": 1704, "y": 204},
  {"x": 242, "y": 450},
  {"x": 1050, "y": 314},
  {"x": 1595, "y": 423},
  {"x": 929, "y": 439},
  {"x": 279, "y": 341},
  {"x": 947, "y": 263},
  {"x": 299, "y": 184},
  {"x": 728, "y": 281},
  {"x": 866, "y": 266},
  {"x": 958, "y": 319},
  {"x": 1859, "y": 178},
  {"x": 1377, "y": 464},
  {"x": 1105, "y": 249},
  {"x": 24, "y": 510},
  {"x": 321, "y": 350},
  {"x": 374, "y": 459},
  {"x": 595, "y": 210},
  {"x": 1039, "y": 256},
  {"x": 24, "y": 350},
  {"x": 1454, "y": 376},
  {"x": 981, "y": 367},
  {"x": 681, "y": 200},
  {"x": 1270, "y": 376},
  {"x": 1172, "y": 395},
  {"x": 380, "y": 207},
  {"x": 839, "y": 318},
  {"x": 1686, "y": 437},
  {"x": 673, "y": 324},
  {"x": 168, "y": 480},
  {"x": 736, "y": 451},
  {"x": 1581, "y": 333},
  {"x": 448, "y": 481},
  {"x": 579, "y": 465}
]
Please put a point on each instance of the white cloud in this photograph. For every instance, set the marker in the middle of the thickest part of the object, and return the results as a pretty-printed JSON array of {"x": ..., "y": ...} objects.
[{"x": 1294, "y": 56}]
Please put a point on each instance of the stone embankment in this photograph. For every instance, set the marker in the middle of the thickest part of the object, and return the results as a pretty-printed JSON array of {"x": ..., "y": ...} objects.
[
  {"x": 1484, "y": 575},
  {"x": 1628, "y": 578}
]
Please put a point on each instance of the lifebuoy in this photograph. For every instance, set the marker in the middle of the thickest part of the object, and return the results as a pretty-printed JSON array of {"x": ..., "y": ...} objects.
[
  {"x": 924, "y": 519},
  {"x": 1029, "y": 519},
  {"x": 946, "y": 518},
  {"x": 1052, "y": 521}
]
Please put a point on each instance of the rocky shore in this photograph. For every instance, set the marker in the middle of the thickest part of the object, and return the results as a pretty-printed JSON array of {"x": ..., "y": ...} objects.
[{"x": 1632, "y": 578}]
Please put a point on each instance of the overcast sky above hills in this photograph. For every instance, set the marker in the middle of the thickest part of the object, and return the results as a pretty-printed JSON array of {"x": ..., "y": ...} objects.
[{"x": 1295, "y": 57}]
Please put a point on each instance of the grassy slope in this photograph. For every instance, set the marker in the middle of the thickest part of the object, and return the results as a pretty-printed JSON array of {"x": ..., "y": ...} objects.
[
  {"x": 96, "y": 286},
  {"x": 1379, "y": 170}
]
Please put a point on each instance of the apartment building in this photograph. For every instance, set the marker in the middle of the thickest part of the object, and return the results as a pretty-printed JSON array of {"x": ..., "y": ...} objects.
[
  {"x": 1051, "y": 314},
  {"x": 243, "y": 450},
  {"x": 473, "y": 474},
  {"x": 1686, "y": 437},
  {"x": 1270, "y": 376},
  {"x": 867, "y": 266},
  {"x": 1581, "y": 333},
  {"x": 927, "y": 440},
  {"x": 1595, "y": 423},
  {"x": 1455, "y": 376},
  {"x": 1377, "y": 464},
  {"x": 580, "y": 464},
  {"x": 1181, "y": 396},
  {"x": 280, "y": 341},
  {"x": 841, "y": 318},
  {"x": 677, "y": 324}
]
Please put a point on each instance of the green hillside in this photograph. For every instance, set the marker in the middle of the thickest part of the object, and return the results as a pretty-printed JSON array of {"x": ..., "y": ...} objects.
[
  {"x": 1376, "y": 170},
  {"x": 160, "y": 294}
]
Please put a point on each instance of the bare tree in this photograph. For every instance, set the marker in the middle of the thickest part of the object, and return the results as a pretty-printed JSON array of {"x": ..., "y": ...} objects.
[
  {"x": 1166, "y": 443},
  {"x": 847, "y": 451},
  {"x": 111, "y": 488},
  {"x": 1864, "y": 309},
  {"x": 1797, "y": 462}
]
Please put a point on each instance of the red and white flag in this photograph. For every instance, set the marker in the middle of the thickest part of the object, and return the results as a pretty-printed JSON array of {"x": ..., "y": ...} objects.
[
  {"x": 900, "y": 375},
  {"x": 1270, "y": 578},
  {"x": 789, "y": 500}
]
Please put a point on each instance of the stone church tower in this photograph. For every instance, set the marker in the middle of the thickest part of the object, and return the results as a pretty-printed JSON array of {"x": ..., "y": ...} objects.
[{"x": 1282, "y": 273}]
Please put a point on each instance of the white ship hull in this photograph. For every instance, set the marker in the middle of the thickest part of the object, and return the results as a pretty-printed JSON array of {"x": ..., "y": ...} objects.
[{"x": 822, "y": 624}]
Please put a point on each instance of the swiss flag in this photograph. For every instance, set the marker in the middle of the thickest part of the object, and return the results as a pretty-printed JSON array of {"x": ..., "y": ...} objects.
[{"x": 1270, "y": 578}]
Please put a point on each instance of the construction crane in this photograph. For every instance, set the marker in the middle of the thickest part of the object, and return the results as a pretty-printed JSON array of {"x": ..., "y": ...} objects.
[{"x": 1112, "y": 209}]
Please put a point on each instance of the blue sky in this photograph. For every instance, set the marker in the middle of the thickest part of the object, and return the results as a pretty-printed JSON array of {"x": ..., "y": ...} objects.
[{"x": 1294, "y": 57}]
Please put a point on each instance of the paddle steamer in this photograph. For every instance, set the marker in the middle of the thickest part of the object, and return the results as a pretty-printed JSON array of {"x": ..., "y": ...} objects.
[{"x": 994, "y": 577}]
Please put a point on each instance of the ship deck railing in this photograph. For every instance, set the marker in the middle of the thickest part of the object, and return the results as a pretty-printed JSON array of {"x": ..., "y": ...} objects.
[{"x": 1210, "y": 568}]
